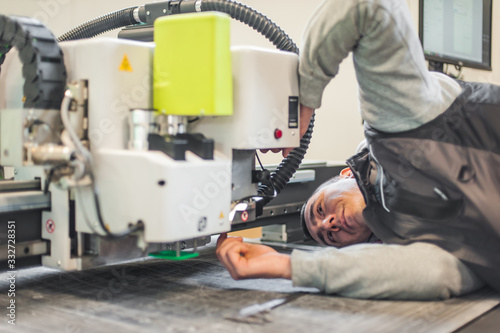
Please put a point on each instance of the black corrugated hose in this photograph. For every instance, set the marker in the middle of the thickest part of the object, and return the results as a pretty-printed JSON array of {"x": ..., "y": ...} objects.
[
  {"x": 282, "y": 41},
  {"x": 102, "y": 24},
  {"x": 253, "y": 19},
  {"x": 287, "y": 167},
  {"x": 239, "y": 12},
  {"x": 43, "y": 68}
]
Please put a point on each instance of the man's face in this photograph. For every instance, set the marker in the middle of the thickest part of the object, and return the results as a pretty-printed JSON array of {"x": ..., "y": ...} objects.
[{"x": 334, "y": 216}]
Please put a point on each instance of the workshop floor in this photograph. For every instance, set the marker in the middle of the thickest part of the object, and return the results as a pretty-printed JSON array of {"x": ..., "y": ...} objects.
[{"x": 198, "y": 295}]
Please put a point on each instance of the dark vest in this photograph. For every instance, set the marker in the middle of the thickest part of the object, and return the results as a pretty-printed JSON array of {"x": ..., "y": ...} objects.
[{"x": 440, "y": 183}]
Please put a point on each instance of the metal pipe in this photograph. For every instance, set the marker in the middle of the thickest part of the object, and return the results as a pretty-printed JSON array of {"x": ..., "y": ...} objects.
[
  {"x": 140, "y": 123},
  {"x": 51, "y": 154}
]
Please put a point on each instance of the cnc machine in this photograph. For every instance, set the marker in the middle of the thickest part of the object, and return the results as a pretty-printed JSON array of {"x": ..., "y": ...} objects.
[{"x": 113, "y": 149}]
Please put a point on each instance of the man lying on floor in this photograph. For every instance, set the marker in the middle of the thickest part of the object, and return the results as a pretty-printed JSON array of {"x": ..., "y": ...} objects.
[
  {"x": 334, "y": 217},
  {"x": 427, "y": 185}
]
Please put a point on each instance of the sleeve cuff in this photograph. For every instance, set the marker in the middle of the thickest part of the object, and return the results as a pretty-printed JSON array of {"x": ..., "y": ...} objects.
[{"x": 311, "y": 91}]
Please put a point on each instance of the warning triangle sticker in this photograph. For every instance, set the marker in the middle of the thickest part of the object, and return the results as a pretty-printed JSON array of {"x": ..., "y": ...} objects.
[{"x": 125, "y": 65}]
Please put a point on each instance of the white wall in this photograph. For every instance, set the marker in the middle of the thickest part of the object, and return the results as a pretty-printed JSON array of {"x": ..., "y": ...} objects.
[{"x": 338, "y": 127}]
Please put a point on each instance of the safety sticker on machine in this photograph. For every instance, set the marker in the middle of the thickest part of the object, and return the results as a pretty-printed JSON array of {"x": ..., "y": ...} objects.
[
  {"x": 50, "y": 226},
  {"x": 222, "y": 218},
  {"x": 244, "y": 216},
  {"x": 125, "y": 65}
]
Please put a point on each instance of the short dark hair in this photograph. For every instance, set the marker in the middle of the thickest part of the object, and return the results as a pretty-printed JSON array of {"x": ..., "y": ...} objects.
[{"x": 307, "y": 234}]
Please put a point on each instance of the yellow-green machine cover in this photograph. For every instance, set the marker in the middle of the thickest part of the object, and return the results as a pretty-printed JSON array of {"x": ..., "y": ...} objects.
[{"x": 192, "y": 65}]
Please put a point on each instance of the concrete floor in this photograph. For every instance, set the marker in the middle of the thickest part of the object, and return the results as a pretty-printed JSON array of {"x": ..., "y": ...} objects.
[{"x": 151, "y": 295}]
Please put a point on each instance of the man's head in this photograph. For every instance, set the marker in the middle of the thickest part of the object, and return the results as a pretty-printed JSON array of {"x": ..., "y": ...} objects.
[{"x": 333, "y": 214}]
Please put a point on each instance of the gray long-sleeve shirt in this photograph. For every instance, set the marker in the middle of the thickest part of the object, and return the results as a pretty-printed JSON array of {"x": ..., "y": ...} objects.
[
  {"x": 396, "y": 93},
  {"x": 416, "y": 271}
]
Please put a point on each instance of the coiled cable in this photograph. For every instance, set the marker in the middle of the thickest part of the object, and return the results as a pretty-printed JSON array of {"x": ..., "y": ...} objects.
[
  {"x": 242, "y": 13},
  {"x": 101, "y": 24},
  {"x": 253, "y": 19},
  {"x": 287, "y": 167},
  {"x": 282, "y": 41}
]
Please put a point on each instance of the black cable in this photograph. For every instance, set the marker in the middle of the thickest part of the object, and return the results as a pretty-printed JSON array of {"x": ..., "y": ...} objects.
[
  {"x": 459, "y": 68},
  {"x": 88, "y": 165},
  {"x": 253, "y": 19},
  {"x": 101, "y": 24},
  {"x": 50, "y": 175},
  {"x": 266, "y": 181},
  {"x": 282, "y": 41},
  {"x": 42, "y": 59},
  {"x": 288, "y": 166},
  {"x": 100, "y": 218},
  {"x": 250, "y": 17},
  {"x": 260, "y": 163}
]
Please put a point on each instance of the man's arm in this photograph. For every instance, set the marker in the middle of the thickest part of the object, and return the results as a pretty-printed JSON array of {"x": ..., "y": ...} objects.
[
  {"x": 396, "y": 91},
  {"x": 417, "y": 271},
  {"x": 247, "y": 261}
]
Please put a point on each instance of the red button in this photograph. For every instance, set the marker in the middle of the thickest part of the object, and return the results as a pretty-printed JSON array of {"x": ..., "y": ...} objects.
[{"x": 278, "y": 133}]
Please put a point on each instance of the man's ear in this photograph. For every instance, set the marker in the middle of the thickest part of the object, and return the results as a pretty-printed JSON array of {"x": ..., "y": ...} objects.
[
  {"x": 307, "y": 234},
  {"x": 346, "y": 173}
]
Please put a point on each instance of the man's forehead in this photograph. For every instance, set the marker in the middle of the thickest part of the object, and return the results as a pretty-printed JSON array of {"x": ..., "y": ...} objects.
[
  {"x": 312, "y": 200},
  {"x": 337, "y": 188}
]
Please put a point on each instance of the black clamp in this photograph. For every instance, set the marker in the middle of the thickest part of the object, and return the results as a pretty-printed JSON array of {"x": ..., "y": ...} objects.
[
  {"x": 43, "y": 64},
  {"x": 153, "y": 10}
]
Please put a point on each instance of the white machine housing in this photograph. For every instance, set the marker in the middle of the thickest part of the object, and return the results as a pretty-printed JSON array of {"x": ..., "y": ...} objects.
[
  {"x": 174, "y": 199},
  {"x": 266, "y": 91}
]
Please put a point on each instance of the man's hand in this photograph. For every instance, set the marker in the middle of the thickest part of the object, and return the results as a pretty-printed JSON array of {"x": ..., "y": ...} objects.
[
  {"x": 250, "y": 261},
  {"x": 305, "y": 118}
]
